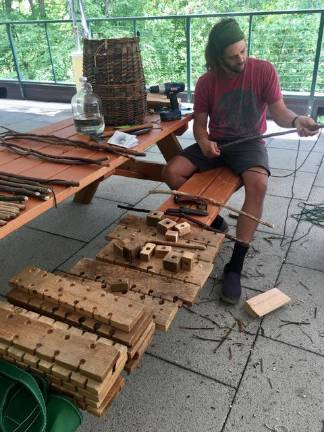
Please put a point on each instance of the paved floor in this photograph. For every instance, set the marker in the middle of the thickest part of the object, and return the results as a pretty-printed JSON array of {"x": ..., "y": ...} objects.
[{"x": 269, "y": 377}]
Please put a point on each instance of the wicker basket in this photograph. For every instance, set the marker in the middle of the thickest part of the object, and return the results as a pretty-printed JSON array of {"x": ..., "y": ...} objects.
[{"x": 114, "y": 68}]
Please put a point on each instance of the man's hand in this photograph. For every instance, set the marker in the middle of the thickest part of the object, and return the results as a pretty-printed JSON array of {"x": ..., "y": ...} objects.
[
  {"x": 209, "y": 149},
  {"x": 306, "y": 126}
]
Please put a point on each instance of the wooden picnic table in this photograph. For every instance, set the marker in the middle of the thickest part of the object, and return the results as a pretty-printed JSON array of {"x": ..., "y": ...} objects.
[{"x": 88, "y": 176}]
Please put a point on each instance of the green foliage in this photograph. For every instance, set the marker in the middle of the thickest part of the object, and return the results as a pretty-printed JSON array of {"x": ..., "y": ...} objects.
[{"x": 288, "y": 41}]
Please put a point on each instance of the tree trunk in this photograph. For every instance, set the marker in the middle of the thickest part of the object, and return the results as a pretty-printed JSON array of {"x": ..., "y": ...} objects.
[
  {"x": 106, "y": 7},
  {"x": 32, "y": 7},
  {"x": 8, "y": 4},
  {"x": 42, "y": 10}
]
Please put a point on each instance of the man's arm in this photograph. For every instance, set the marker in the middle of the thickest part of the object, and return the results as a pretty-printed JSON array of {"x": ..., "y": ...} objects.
[
  {"x": 209, "y": 148},
  {"x": 284, "y": 117}
]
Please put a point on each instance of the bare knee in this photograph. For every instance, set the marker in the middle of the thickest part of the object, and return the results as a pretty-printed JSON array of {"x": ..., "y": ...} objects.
[
  {"x": 177, "y": 171},
  {"x": 256, "y": 184}
]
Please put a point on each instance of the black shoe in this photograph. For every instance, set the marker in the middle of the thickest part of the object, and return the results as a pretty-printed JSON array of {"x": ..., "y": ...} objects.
[
  {"x": 220, "y": 224},
  {"x": 231, "y": 288}
]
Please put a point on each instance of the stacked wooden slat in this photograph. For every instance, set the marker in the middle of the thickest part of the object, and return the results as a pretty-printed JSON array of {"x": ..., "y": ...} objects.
[
  {"x": 76, "y": 363},
  {"x": 88, "y": 307},
  {"x": 99, "y": 275}
]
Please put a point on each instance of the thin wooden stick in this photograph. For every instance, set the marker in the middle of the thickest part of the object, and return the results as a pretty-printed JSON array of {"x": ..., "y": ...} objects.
[
  {"x": 213, "y": 202},
  {"x": 10, "y": 204},
  {"x": 14, "y": 199},
  {"x": 179, "y": 245}
]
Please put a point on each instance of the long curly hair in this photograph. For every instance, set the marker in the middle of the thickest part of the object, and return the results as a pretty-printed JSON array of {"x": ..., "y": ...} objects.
[{"x": 214, "y": 50}]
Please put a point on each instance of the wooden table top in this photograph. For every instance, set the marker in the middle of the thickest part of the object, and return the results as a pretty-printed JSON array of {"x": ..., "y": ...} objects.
[{"x": 84, "y": 174}]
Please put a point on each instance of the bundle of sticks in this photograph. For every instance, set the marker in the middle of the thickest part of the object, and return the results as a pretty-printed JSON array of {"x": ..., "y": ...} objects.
[
  {"x": 9, "y": 138},
  {"x": 9, "y": 210},
  {"x": 18, "y": 188}
]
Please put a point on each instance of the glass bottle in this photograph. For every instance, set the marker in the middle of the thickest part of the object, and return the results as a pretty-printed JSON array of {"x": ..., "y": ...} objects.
[{"x": 87, "y": 110}]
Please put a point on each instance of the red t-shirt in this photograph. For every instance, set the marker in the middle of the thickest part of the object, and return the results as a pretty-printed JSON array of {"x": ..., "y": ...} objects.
[{"x": 237, "y": 106}]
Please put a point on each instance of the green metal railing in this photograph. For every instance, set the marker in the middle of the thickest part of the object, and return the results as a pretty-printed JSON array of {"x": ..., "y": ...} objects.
[{"x": 298, "y": 59}]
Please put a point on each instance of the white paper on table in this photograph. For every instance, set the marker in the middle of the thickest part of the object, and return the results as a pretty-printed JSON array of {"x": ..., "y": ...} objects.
[{"x": 123, "y": 139}]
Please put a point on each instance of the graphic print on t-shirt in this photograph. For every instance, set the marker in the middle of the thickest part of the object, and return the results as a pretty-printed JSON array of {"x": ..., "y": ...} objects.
[{"x": 237, "y": 110}]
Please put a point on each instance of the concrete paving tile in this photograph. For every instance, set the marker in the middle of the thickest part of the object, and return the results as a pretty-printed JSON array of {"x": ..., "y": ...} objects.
[
  {"x": 160, "y": 397},
  {"x": 79, "y": 221},
  {"x": 308, "y": 251},
  {"x": 181, "y": 344},
  {"x": 305, "y": 288},
  {"x": 282, "y": 186},
  {"x": 274, "y": 211},
  {"x": 31, "y": 247},
  {"x": 285, "y": 159},
  {"x": 289, "y": 393},
  {"x": 89, "y": 250},
  {"x": 152, "y": 157},
  {"x": 317, "y": 195},
  {"x": 124, "y": 189},
  {"x": 319, "y": 180},
  {"x": 153, "y": 201},
  {"x": 290, "y": 142},
  {"x": 261, "y": 265}
]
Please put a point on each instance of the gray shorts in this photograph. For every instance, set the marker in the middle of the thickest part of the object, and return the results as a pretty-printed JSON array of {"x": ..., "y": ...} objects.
[{"x": 239, "y": 157}]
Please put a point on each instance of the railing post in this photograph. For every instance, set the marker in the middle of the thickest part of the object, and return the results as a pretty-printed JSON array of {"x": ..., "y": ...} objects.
[
  {"x": 14, "y": 55},
  {"x": 50, "y": 51},
  {"x": 250, "y": 34},
  {"x": 316, "y": 65},
  {"x": 134, "y": 27},
  {"x": 188, "y": 52}
]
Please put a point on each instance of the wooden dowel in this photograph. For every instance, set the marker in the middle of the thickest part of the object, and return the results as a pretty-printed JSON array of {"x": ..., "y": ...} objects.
[
  {"x": 213, "y": 202},
  {"x": 179, "y": 245},
  {"x": 13, "y": 205},
  {"x": 24, "y": 185},
  {"x": 40, "y": 180},
  {"x": 9, "y": 210},
  {"x": 6, "y": 216},
  {"x": 14, "y": 199}
]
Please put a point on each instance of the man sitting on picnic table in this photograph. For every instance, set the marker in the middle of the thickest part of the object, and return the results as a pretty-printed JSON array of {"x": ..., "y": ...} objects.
[{"x": 234, "y": 94}]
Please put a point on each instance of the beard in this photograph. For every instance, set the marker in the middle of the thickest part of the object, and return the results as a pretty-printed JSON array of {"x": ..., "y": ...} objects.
[{"x": 237, "y": 69}]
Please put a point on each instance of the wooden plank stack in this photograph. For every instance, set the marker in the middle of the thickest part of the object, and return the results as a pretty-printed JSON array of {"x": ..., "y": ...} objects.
[
  {"x": 84, "y": 302},
  {"x": 88, "y": 307},
  {"x": 76, "y": 363}
]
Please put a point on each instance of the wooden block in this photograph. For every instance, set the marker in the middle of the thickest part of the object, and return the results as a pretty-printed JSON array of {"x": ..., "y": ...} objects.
[
  {"x": 183, "y": 228},
  {"x": 172, "y": 261},
  {"x": 166, "y": 224},
  {"x": 162, "y": 251},
  {"x": 132, "y": 249},
  {"x": 147, "y": 251},
  {"x": 187, "y": 260},
  {"x": 119, "y": 285},
  {"x": 266, "y": 302},
  {"x": 172, "y": 236},
  {"x": 153, "y": 218},
  {"x": 119, "y": 245}
]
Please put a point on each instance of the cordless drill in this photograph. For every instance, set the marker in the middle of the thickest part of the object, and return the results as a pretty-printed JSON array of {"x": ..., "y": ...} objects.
[{"x": 170, "y": 90}]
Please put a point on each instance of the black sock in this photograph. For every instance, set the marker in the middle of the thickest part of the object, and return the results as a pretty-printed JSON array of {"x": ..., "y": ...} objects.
[
  {"x": 217, "y": 222},
  {"x": 236, "y": 262}
]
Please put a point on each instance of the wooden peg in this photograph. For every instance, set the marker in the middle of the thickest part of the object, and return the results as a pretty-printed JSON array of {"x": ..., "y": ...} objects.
[
  {"x": 153, "y": 218},
  {"x": 166, "y": 224},
  {"x": 183, "y": 228},
  {"x": 172, "y": 261},
  {"x": 147, "y": 251},
  {"x": 172, "y": 236},
  {"x": 187, "y": 260},
  {"x": 161, "y": 251},
  {"x": 119, "y": 285}
]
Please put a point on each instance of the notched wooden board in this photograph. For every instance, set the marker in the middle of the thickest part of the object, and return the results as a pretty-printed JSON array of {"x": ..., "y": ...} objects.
[
  {"x": 145, "y": 283},
  {"x": 198, "y": 275}
]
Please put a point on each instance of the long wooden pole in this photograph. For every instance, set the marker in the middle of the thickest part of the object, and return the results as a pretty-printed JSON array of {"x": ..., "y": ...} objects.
[{"x": 213, "y": 202}]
